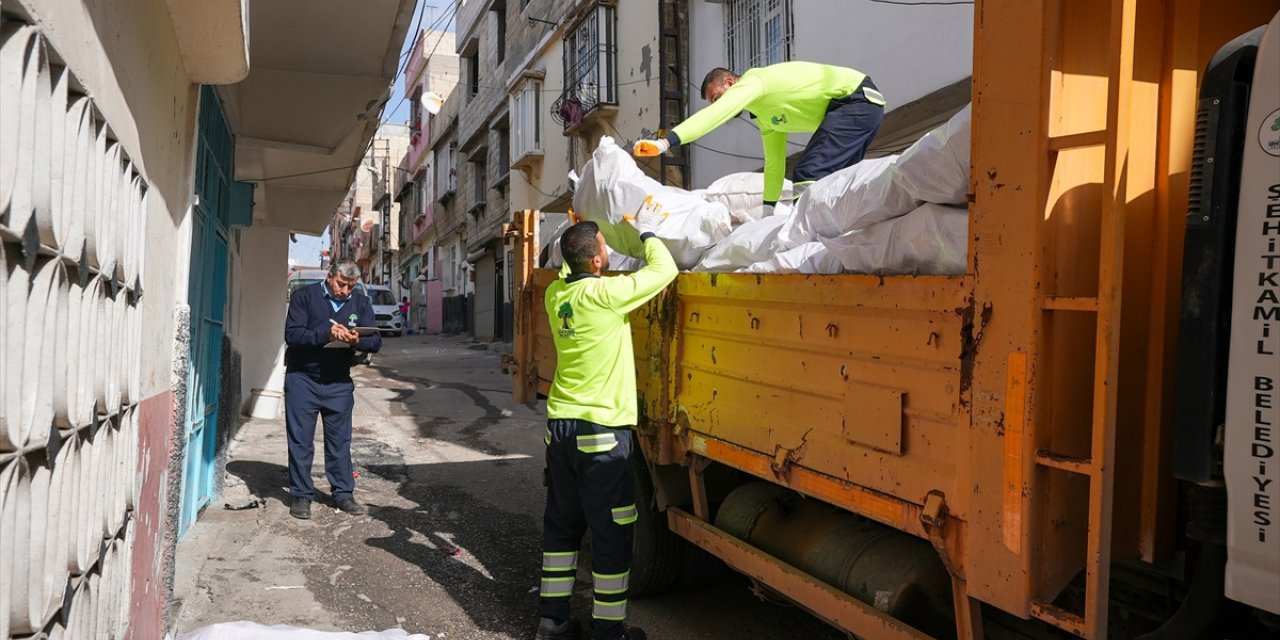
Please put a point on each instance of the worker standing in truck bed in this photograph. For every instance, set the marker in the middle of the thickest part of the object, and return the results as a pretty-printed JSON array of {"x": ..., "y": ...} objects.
[
  {"x": 841, "y": 107},
  {"x": 591, "y": 410}
]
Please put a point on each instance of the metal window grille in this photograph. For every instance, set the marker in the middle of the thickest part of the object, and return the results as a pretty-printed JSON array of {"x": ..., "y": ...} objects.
[
  {"x": 590, "y": 65},
  {"x": 758, "y": 33}
]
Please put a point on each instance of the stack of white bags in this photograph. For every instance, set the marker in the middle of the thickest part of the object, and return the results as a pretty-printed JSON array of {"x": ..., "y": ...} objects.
[{"x": 902, "y": 214}]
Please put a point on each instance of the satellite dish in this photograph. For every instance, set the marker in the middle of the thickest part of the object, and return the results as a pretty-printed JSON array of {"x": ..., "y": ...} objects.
[{"x": 432, "y": 102}]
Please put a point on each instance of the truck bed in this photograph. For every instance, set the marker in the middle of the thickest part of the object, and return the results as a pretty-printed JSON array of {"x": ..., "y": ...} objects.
[{"x": 848, "y": 380}]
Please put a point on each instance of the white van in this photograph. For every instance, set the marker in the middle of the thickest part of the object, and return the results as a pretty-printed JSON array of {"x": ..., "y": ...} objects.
[{"x": 386, "y": 309}]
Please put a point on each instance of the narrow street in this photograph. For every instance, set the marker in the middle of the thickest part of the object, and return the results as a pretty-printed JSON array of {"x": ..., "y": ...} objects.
[{"x": 451, "y": 471}]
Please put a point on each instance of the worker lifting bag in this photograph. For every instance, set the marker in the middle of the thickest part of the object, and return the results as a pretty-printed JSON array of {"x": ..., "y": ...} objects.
[
  {"x": 934, "y": 169},
  {"x": 612, "y": 186}
]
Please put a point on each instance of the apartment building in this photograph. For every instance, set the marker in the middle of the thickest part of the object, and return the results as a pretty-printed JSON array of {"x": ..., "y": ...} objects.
[{"x": 431, "y": 72}]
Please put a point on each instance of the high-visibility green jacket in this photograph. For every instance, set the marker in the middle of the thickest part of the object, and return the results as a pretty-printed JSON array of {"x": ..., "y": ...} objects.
[
  {"x": 595, "y": 367},
  {"x": 789, "y": 97}
]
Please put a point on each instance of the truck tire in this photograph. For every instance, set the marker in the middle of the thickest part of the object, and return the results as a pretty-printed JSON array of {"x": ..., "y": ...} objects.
[
  {"x": 658, "y": 553},
  {"x": 699, "y": 568}
]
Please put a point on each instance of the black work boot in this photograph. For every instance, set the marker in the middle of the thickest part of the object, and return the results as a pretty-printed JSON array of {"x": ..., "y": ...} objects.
[
  {"x": 548, "y": 629},
  {"x": 350, "y": 506},
  {"x": 634, "y": 633},
  {"x": 300, "y": 508},
  {"x": 629, "y": 633}
]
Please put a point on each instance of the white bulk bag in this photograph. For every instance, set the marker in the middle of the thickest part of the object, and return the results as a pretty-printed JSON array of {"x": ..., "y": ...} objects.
[
  {"x": 861, "y": 195},
  {"x": 617, "y": 261},
  {"x": 743, "y": 194},
  {"x": 611, "y": 186},
  {"x": 936, "y": 167},
  {"x": 811, "y": 257},
  {"x": 933, "y": 239},
  {"x": 748, "y": 244}
]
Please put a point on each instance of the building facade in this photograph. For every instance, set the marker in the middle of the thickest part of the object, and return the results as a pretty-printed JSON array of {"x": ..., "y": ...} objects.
[
  {"x": 431, "y": 73},
  {"x": 452, "y": 270},
  {"x": 383, "y": 243},
  {"x": 542, "y": 82},
  {"x": 155, "y": 160}
]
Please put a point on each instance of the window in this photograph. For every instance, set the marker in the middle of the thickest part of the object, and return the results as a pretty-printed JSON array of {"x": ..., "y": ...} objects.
[
  {"x": 480, "y": 193},
  {"x": 757, "y": 32},
  {"x": 415, "y": 113},
  {"x": 473, "y": 75},
  {"x": 500, "y": 13},
  {"x": 502, "y": 137},
  {"x": 526, "y": 129},
  {"x": 590, "y": 65},
  {"x": 446, "y": 181}
]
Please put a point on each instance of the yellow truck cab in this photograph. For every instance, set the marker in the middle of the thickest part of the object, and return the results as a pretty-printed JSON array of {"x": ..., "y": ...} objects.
[{"x": 1086, "y": 412}]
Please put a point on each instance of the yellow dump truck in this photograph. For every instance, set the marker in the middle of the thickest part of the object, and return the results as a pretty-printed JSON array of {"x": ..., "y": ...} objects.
[{"x": 1033, "y": 445}]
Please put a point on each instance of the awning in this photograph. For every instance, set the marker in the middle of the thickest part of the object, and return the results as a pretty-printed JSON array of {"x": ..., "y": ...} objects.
[{"x": 320, "y": 71}]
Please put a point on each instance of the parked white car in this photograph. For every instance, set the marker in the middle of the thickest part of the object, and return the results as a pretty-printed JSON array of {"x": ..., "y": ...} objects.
[{"x": 386, "y": 309}]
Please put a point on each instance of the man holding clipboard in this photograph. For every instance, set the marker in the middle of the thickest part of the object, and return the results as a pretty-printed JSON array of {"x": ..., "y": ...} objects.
[{"x": 327, "y": 322}]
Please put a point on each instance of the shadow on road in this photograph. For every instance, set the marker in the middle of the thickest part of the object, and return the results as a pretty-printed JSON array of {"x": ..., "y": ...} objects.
[
  {"x": 263, "y": 479},
  {"x": 485, "y": 558}
]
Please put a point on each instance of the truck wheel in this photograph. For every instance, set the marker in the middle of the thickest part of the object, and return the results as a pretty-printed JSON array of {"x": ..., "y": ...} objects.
[
  {"x": 699, "y": 568},
  {"x": 658, "y": 553}
]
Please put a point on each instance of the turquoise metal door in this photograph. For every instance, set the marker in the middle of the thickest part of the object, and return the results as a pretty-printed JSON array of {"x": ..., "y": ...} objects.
[{"x": 208, "y": 300}]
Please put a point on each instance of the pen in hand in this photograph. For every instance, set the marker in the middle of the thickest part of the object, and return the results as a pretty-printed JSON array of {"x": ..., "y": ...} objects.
[{"x": 352, "y": 340}]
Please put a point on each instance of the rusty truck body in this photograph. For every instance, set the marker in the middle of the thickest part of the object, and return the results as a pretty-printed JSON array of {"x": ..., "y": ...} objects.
[{"x": 1016, "y": 420}]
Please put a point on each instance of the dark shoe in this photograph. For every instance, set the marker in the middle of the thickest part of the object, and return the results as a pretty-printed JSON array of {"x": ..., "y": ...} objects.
[
  {"x": 300, "y": 509},
  {"x": 351, "y": 506},
  {"x": 634, "y": 633},
  {"x": 549, "y": 630}
]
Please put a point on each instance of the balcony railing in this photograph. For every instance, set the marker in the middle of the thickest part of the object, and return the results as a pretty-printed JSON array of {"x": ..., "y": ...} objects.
[{"x": 590, "y": 68}]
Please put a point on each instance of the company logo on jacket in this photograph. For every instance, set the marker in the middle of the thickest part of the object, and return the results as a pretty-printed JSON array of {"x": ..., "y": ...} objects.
[{"x": 565, "y": 313}]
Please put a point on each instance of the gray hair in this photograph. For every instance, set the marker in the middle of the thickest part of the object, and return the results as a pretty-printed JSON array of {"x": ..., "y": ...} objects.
[{"x": 346, "y": 269}]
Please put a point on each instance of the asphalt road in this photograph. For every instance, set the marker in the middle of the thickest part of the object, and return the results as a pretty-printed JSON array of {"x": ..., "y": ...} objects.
[{"x": 451, "y": 469}]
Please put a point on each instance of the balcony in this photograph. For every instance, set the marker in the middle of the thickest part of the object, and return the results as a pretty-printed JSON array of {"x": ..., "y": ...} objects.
[
  {"x": 423, "y": 222},
  {"x": 590, "y": 71}
]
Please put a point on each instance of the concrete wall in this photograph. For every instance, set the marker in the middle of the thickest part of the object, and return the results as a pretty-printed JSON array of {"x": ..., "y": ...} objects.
[
  {"x": 908, "y": 52},
  {"x": 257, "y": 304},
  {"x": 127, "y": 58}
]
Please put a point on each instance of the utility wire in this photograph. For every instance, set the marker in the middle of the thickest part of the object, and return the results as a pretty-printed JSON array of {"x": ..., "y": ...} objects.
[
  {"x": 535, "y": 187},
  {"x": 726, "y": 153},
  {"x": 450, "y": 15},
  {"x": 404, "y": 57}
]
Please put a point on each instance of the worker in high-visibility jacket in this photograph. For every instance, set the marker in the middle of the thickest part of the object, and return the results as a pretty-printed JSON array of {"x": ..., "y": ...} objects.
[
  {"x": 591, "y": 409},
  {"x": 841, "y": 107}
]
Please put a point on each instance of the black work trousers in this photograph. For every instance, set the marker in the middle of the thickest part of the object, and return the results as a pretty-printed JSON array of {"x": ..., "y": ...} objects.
[
  {"x": 842, "y": 139},
  {"x": 589, "y": 486}
]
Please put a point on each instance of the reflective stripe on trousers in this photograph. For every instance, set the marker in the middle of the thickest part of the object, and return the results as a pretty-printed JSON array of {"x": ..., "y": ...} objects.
[{"x": 558, "y": 570}]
